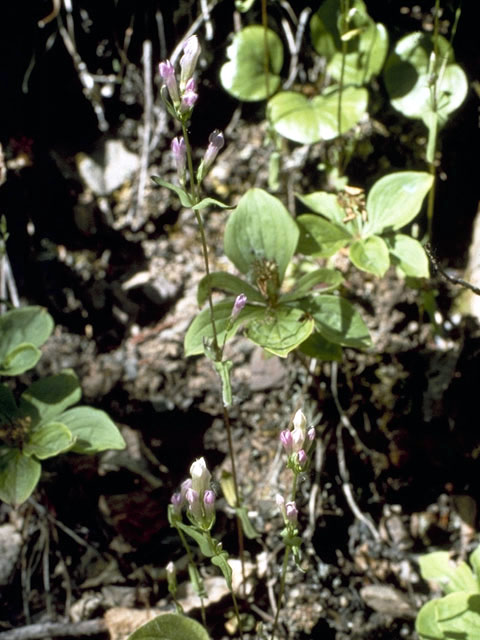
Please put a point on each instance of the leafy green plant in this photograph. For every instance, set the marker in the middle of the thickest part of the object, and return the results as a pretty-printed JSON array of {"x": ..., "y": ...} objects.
[
  {"x": 171, "y": 626},
  {"x": 260, "y": 240},
  {"x": 457, "y": 613},
  {"x": 43, "y": 423},
  {"x": 371, "y": 229}
]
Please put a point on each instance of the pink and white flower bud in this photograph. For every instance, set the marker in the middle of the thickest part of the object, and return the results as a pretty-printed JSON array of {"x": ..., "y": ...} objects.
[
  {"x": 194, "y": 505},
  {"x": 291, "y": 512},
  {"x": 240, "y": 302},
  {"x": 167, "y": 73},
  {"x": 215, "y": 143},
  {"x": 209, "y": 503},
  {"x": 302, "y": 457},
  {"x": 298, "y": 438},
  {"x": 186, "y": 484},
  {"x": 179, "y": 150},
  {"x": 200, "y": 476},
  {"x": 287, "y": 441},
  {"x": 300, "y": 421},
  {"x": 280, "y": 501},
  {"x": 189, "y": 98},
  {"x": 188, "y": 62},
  {"x": 177, "y": 501}
]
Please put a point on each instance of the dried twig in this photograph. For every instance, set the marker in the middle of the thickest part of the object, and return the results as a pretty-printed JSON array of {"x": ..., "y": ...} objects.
[
  {"x": 453, "y": 279},
  {"x": 56, "y": 629}
]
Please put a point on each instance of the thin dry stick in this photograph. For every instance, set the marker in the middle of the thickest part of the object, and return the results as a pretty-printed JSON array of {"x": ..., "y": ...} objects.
[
  {"x": 453, "y": 279},
  {"x": 56, "y": 629}
]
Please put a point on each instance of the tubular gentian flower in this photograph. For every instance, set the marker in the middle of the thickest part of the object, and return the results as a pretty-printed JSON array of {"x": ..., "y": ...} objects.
[
  {"x": 209, "y": 503},
  {"x": 189, "y": 97},
  {"x": 287, "y": 442},
  {"x": 291, "y": 512},
  {"x": 179, "y": 150},
  {"x": 302, "y": 457},
  {"x": 167, "y": 73},
  {"x": 240, "y": 302},
  {"x": 177, "y": 501},
  {"x": 200, "y": 476},
  {"x": 215, "y": 143},
  {"x": 188, "y": 62},
  {"x": 194, "y": 504}
]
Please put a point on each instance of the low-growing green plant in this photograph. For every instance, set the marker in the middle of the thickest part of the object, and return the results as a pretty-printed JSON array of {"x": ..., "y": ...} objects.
[
  {"x": 41, "y": 424},
  {"x": 457, "y": 614}
]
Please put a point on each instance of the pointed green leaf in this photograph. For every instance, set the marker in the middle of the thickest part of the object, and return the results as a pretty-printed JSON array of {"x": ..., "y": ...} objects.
[
  {"x": 244, "y": 75},
  {"x": 324, "y": 203},
  {"x": 280, "y": 330},
  {"x": 248, "y": 529},
  {"x": 201, "y": 327},
  {"x": 170, "y": 626},
  {"x": 371, "y": 255},
  {"x": 395, "y": 200},
  {"x": 338, "y": 321},
  {"x": 318, "y": 281},
  {"x": 297, "y": 118},
  {"x": 92, "y": 429},
  {"x": 319, "y": 237},
  {"x": 260, "y": 228},
  {"x": 184, "y": 197},
  {"x": 409, "y": 255},
  {"x": 210, "y": 202},
  {"x": 19, "y": 476},
  {"x": 228, "y": 283},
  {"x": 49, "y": 440},
  {"x": 45, "y": 399}
]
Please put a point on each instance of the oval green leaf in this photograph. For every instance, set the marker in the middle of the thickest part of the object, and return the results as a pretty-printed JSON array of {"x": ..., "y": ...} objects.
[
  {"x": 244, "y": 75},
  {"x": 395, "y": 200},
  {"x": 92, "y": 429},
  {"x": 45, "y": 399},
  {"x": 170, "y": 626},
  {"x": 226, "y": 282},
  {"x": 297, "y": 118},
  {"x": 409, "y": 255},
  {"x": 320, "y": 280},
  {"x": 21, "y": 358},
  {"x": 324, "y": 203},
  {"x": 320, "y": 237},
  {"x": 19, "y": 476},
  {"x": 338, "y": 321},
  {"x": 260, "y": 228},
  {"x": 49, "y": 440},
  {"x": 28, "y": 325},
  {"x": 280, "y": 330},
  {"x": 316, "y": 346},
  {"x": 371, "y": 255}
]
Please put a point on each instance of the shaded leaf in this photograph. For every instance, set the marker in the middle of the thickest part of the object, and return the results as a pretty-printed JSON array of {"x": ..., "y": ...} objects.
[
  {"x": 229, "y": 283},
  {"x": 320, "y": 237},
  {"x": 19, "y": 476},
  {"x": 337, "y": 320},
  {"x": 371, "y": 255},
  {"x": 49, "y": 440},
  {"x": 318, "y": 281},
  {"x": 45, "y": 399}
]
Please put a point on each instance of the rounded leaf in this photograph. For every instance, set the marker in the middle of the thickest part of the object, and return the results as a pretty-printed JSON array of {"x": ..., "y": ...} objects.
[
  {"x": 18, "y": 328},
  {"x": 170, "y": 626},
  {"x": 244, "y": 75},
  {"x": 409, "y": 255},
  {"x": 371, "y": 255},
  {"x": 19, "y": 475},
  {"x": 280, "y": 330},
  {"x": 297, "y": 118},
  {"x": 92, "y": 429},
  {"x": 320, "y": 237},
  {"x": 48, "y": 440},
  {"x": 338, "y": 321},
  {"x": 260, "y": 228},
  {"x": 45, "y": 399},
  {"x": 395, "y": 200},
  {"x": 21, "y": 358}
]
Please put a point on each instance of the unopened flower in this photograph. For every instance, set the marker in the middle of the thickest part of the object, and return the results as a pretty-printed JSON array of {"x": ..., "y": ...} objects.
[
  {"x": 200, "y": 476},
  {"x": 291, "y": 512},
  {"x": 286, "y": 440},
  {"x": 298, "y": 438},
  {"x": 179, "y": 150},
  {"x": 177, "y": 501},
  {"x": 215, "y": 143},
  {"x": 240, "y": 302},
  {"x": 209, "y": 503},
  {"x": 167, "y": 73},
  {"x": 189, "y": 98},
  {"x": 194, "y": 504},
  {"x": 299, "y": 420},
  {"x": 302, "y": 457},
  {"x": 188, "y": 62}
]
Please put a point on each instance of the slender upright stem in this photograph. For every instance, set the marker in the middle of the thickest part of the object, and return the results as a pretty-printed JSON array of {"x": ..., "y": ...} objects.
[
  {"x": 286, "y": 555},
  {"x": 191, "y": 561}
]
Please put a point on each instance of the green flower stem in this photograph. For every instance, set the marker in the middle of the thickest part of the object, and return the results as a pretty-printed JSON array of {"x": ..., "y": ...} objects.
[
  {"x": 286, "y": 555},
  {"x": 191, "y": 560}
]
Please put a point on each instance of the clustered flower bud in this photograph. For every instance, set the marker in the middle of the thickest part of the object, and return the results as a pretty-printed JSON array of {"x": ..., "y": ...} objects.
[
  {"x": 196, "y": 495},
  {"x": 298, "y": 442},
  {"x": 240, "y": 302},
  {"x": 188, "y": 62},
  {"x": 215, "y": 143},
  {"x": 183, "y": 98},
  {"x": 167, "y": 73},
  {"x": 288, "y": 510}
]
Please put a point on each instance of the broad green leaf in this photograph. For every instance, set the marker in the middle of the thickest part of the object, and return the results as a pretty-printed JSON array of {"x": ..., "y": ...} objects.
[
  {"x": 229, "y": 283},
  {"x": 260, "y": 228},
  {"x": 210, "y": 202},
  {"x": 324, "y": 29},
  {"x": 297, "y": 118},
  {"x": 170, "y": 626},
  {"x": 221, "y": 561},
  {"x": 416, "y": 89},
  {"x": 201, "y": 327},
  {"x": 49, "y": 440},
  {"x": 439, "y": 567},
  {"x": 371, "y": 255},
  {"x": 370, "y": 50},
  {"x": 244, "y": 75},
  {"x": 324, "y": 203},
  {"x": 45, "y": 399},
  {"x": 92, "y": 429},
  {"x": 19, "y": 476},
  {"x": 409, "y": 254},
  {"x": 184, "y": 197},
  {"x": 280, "y": 330},
  {"x": 21, "y": 358},
  {"x": 395, "y": 200},
  {"x": 426, "y": 623},
  {"x": 18, "y": 328},
  {"x": 338, "y": 321},
  {"x": 316, "y": 346},
  {"x": 320, "y": 237},
  {"x": 318, "y": 281},
  {"x": 459, "y": 615}
]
